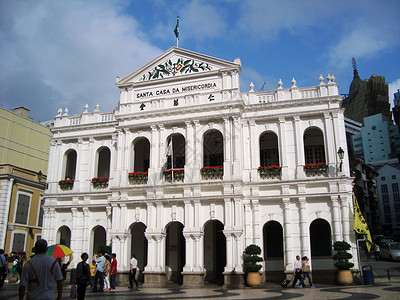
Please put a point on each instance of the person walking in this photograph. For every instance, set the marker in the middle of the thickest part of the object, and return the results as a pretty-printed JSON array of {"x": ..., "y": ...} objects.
[
  {"x": 132, "y": 273},
  {"x": 82, "y": 276},
  {"x": 39, "y": 275},
  {"x": 377, "y": 252},
  {"x": 113, "y": 272},
  {"x": 3, "y": 267},
  {"x": 99, "y": 276},
  {"x": 107, "y": 265},
  {"x": 14, "y": 271},
  {"x": 306, "y": 268},
  {"x": 297, "y": 272}
]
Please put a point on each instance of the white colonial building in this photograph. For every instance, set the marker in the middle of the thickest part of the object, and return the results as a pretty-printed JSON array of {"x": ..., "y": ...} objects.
[{"x": 178, "y": 178}]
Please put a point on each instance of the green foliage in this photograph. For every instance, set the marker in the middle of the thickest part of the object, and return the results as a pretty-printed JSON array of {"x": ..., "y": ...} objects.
[
  {"x": 251, "y": 258},
  {"x": 341, "y": 245},
  {"x": 104, "y": 249},
  {"x": 342, "y": 256}
]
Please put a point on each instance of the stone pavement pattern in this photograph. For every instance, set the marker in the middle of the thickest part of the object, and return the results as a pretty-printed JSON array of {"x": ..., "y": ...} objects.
[{"x": 382, "y": 289}]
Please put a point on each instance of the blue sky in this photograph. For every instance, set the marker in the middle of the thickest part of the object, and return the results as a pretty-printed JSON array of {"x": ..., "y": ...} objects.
[{"x": 57, "y": 54}]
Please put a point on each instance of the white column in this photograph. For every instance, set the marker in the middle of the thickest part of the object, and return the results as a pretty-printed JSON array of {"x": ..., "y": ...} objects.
[
  {"x": 153, "y": 155},
  {"x": 119, "y": 163},
  {"x": 248, "y": 233},
  {"x": 228, "y": 214},
  {"x": 344, "y": 202},
  {"x": 245, "y": 157},
  {"x": 91, "y": 156},
  {"x": 283, "y": 149},
  {"x": 300, "y": 161},
  {"x": 335, "y": 218},
  {"x": 161, "y": 159},
  {"x": 197, "y": 213},
  {"x": 227, "y": 149},
  {"x": 51, "y": 173},
  {"x": 229, "y": 250},
  {"x": 288, "y": 233},
  {"x": 109, "y": 224},
  {"x": 254, "y": 154},
  {"x": 237, "y": 146},
  {"x": 303, "y": 225},
  {"x": 257, "y": 226},
  {"x": 198, "y": 152},
  {"x": 86, "y": 232},
  {"x": 189, "y": 253},
  {"x": 189, "y": 152},
  {"x": 330, "y": 143}
]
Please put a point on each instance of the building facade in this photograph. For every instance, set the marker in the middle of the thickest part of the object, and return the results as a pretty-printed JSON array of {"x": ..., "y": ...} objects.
[
  {"x": 388, "y": 186},
  {"x": 24, "y": 150},
  {"x": 188, "y": 171}
]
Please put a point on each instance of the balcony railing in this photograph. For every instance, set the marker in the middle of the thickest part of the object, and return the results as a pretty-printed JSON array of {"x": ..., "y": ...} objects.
[{"x": 178, "y": 175}]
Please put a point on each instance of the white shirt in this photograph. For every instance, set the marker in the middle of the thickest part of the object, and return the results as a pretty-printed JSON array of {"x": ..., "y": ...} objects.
[
  {"x": 297, "y": 264},
  {"x": 133, "y": 263},
  {"x": 47, "y": 274}
]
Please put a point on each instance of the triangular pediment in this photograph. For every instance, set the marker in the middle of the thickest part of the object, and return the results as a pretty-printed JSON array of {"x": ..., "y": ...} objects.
[{"x": 177, "y": 62}]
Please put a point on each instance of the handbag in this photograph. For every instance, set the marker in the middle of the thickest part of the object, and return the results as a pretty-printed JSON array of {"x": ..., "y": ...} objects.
[
  {"x": 73, "y": 292},
  {"x": 306, "y": 269}
]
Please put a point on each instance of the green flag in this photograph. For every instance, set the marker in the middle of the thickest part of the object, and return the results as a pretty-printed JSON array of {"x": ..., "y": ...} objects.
[{"x": 176, "y": 30}]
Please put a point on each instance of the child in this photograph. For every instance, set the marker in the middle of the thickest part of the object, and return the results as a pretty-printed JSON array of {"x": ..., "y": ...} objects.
[
  {"x": 14, "y": 271},
  {"x": 93, "y": 270}
]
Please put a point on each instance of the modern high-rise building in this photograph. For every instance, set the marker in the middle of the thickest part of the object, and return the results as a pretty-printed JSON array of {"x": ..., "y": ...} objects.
[
  {"x": 367, "y": 98},
  {"x": 24, "y": 152}
]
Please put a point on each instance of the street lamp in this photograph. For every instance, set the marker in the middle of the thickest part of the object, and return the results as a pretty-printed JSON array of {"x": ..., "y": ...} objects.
[
  {"x": 341, "y": 155},
  {"x": 39, "y": 175}
]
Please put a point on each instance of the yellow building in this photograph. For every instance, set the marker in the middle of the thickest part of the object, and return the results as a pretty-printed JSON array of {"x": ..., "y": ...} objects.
[{"x": 24, "y": 152}]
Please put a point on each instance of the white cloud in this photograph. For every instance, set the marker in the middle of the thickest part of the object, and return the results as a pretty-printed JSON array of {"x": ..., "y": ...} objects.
[
  {"x": 71, "y": 50},
  {"x": 202, "y": 20}
]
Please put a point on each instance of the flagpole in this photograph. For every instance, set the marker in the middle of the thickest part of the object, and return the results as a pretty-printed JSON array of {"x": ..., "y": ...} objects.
[
  {"x": 176, "y": 31},
  {"x": 172, "y": 158}
]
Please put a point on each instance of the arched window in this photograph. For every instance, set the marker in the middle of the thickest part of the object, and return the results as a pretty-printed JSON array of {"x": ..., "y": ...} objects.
[
  {"x": 177, "y": 142},
  {"x": 269, "y": 152},
  {"x": 314, "y": 149},
  {"x": 213, "y": 149},
  {"x": 70, "y": 164},
  {"x": 141, "y": 155},
  {"x": 103, "y": 166}
]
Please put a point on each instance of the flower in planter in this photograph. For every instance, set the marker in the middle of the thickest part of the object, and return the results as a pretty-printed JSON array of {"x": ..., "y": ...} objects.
[
  {"x": 270, "y": 169},
  {"x": 138, "y": 175},
  {"x": 66, "y": 183},
  {"x": 212, "y": 170},
  {"x": 176, "y": 171},
  {"x": 99, "y": 180},
  {"x": 18, "y": 252},
  {"x": 316, "y": 166}
]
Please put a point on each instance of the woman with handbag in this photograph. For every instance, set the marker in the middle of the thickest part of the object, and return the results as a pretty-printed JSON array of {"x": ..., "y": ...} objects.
[
  {"x": 82, "y": 276},
  {"x": 306, "y": 271}
]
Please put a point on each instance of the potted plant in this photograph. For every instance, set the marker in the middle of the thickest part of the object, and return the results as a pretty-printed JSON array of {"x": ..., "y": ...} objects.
[
  {"x": 343, "y": 265},
  {"x": 212, "y": 172},
  {"x": 269, "y": 171},
  {"x": 251, "y": 259}
]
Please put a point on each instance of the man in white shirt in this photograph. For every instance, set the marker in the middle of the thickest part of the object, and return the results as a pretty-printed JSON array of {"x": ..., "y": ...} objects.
[
  {"x": 39, "y": 274},
  {"x": 99, "y": 276},
  {"x": 132, "y": 273},
  {"x": 297, "y": 272}
]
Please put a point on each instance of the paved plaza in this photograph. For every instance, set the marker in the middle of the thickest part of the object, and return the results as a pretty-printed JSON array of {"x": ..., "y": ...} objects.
[{"x": 384, "y": 288}]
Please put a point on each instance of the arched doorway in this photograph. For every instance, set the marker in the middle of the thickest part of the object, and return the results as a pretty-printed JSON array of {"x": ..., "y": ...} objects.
[
  {"x": 70, "y": 164},
  {"x": 99, "y": 237},
  {"x": 139, "y": 247},
  {"x": 175, "y": 252},
  {"x": 64, "y": 236},
  {"x": 213, "y": 148},
  {"x": 321, "y": 252},
  {"x": 321, "y": 239},
  {"x": 214, "y": 252},
  {"x": 103, "y": 163},
  {"x": 273, "y": 251},
  {"x": 269, "y": 152},
  {"x": 314, "y": 149}
]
